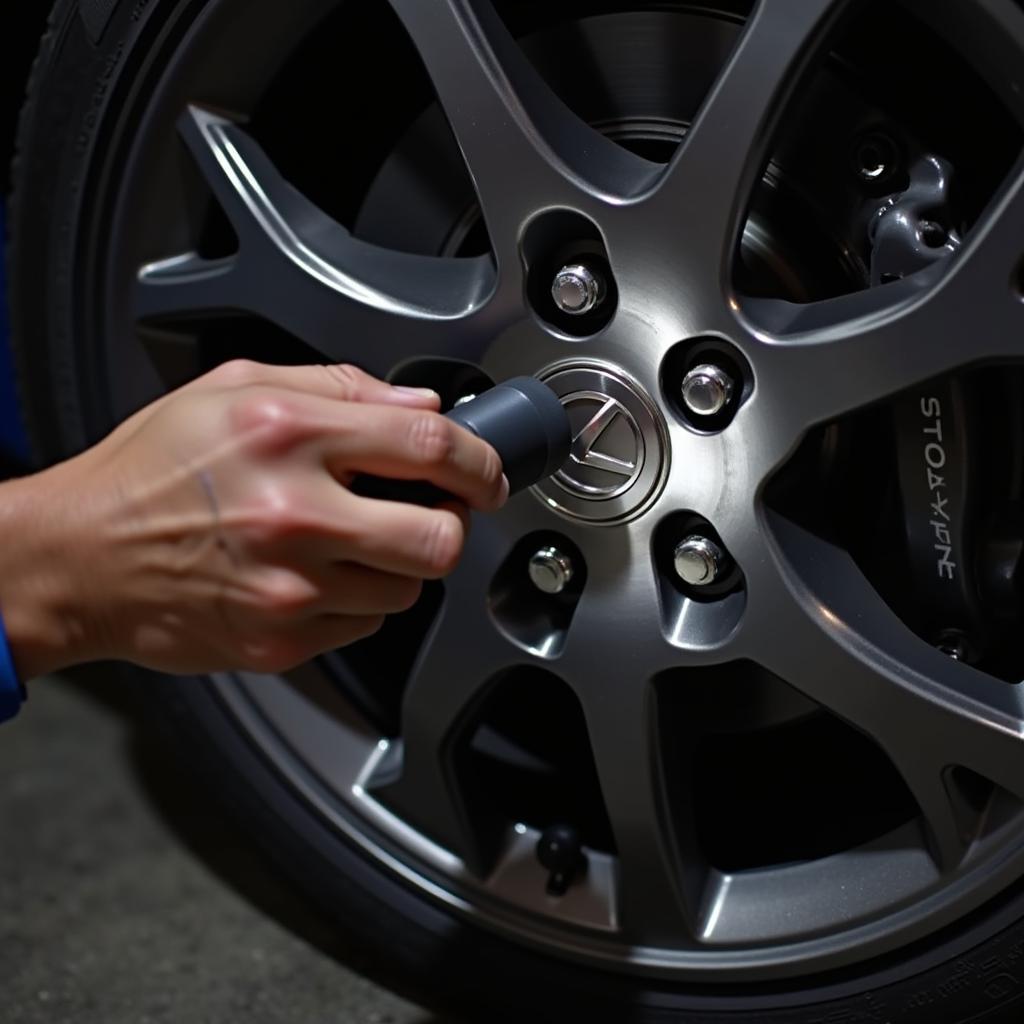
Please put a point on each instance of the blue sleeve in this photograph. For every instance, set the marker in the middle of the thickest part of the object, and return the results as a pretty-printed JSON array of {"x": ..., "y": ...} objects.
[{"x": 12, "y": 693}]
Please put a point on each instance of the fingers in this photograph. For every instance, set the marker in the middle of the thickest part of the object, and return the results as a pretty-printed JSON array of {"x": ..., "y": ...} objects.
[
  {"x": 408, "y": 444},
  {"x": 329, "y": 632},
  {"x": 372, "y": 427},
  {"x": 303, "y": 614},
  {"x": 460, "y": 510},
  {"x": 349, "y": 438},
  {"x": 287, "y": 649},
  {"x": 309, "y": 587},
  {"x": 351, "y": 589},
  {"x": 405, "y": 540},
  {"x": 336, "y": 382},
  {"x": 339, "y": 382}
]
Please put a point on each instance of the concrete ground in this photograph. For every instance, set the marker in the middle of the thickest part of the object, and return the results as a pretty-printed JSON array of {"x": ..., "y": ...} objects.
[{"x": 126, "y": 898}]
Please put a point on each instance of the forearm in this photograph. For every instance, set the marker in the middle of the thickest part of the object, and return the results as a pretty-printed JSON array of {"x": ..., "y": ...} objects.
[{"x": 44, "y": 584}]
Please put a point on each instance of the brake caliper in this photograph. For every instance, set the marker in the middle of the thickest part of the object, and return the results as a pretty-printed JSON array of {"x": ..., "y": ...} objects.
[
  {"x": 933, "y": 435},
  {"x": 933, "y": 425}
]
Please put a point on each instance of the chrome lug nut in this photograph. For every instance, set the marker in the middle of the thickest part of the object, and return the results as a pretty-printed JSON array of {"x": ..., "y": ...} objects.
[
  {"x": 707, "y": 389},
  {"x": 550, "y": 570},
  {"x": 577, "y": 289},
  {"x": 698, "y": 560}
]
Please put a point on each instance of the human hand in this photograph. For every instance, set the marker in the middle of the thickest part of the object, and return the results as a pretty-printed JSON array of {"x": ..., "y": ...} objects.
[{"x": 214, "y": 529}]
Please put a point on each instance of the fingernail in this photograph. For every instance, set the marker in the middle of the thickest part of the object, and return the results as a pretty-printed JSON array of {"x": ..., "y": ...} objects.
[
  {"x": 504, "y": 491},
  {"x": 417, "y": 392}
]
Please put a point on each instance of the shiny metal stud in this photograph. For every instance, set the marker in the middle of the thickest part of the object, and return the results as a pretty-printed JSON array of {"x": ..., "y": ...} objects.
[
  {"x": 698, "y": 560},
  {"x": 577, "y": 289},
  {"x": 707, "y": 389},
  {"x": 550, "y": 570}
]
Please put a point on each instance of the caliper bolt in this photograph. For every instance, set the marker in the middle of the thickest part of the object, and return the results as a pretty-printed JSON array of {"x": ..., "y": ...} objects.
[
  {"x": 550, "y": 570},
  {"x": 577, "y": 289},
  {"x": 707, "y": 389},
  {"x": 698, "y": 560}
]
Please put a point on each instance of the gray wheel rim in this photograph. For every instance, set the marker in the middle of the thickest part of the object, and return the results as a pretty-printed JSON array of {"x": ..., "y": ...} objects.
[{"x": 654, "y": 905}]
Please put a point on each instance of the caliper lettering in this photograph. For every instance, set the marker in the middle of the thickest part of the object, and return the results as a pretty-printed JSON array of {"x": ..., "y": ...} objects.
[{"x": 934, "y": 459}]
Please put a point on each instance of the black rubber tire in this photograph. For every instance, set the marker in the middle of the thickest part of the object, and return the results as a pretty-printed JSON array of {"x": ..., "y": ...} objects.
[{"x": 92, "y": 49}]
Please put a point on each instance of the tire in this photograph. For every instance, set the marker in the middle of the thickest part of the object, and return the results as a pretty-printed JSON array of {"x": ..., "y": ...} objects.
[{"x": 88, "y": 106}]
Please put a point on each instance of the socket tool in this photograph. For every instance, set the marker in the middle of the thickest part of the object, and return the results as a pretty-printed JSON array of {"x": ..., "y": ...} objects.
[{"x": 521, "y": 419}]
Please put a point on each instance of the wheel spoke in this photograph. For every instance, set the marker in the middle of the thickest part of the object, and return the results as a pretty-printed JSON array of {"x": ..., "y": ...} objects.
[
  {"x": 849, "y": 652},
  {"x": 660, "y": 874},
  {"x": 948, "y": 842},
  {"x": 707, "y": 186},
  {"x": 654, "y": 902},
  {"x": 307, "y": 274},
  {"x": 823, "y": 359},
  {"x": 460, "y": 657},
  {"x": 524, "y": 148},
  {"x": 185, "y": 286}
]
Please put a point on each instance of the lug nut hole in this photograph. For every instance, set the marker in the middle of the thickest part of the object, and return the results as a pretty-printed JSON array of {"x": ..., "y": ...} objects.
[
  {"x": 692, "y": 558},
  {"x": 534, "y": 594},
  {"x": 569, "y": 281},
  {"x": 703, "y": 590},
  {"x": 705, "y": 380}
]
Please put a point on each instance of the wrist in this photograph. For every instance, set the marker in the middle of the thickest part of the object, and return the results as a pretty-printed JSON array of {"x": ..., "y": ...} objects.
[{"x": 45, "y": 585}]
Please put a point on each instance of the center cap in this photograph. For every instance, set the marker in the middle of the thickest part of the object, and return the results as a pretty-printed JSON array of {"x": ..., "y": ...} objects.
[{"x": 619, "y": 450}]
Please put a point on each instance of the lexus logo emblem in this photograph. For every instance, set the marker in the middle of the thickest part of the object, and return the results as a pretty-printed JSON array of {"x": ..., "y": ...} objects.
[
  {"x": 607, "y": 452},
  {"x": 620, "y": 447}
]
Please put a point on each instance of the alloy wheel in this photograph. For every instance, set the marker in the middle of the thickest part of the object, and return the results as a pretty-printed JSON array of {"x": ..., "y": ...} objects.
[{"x": 628, "y": 706}]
